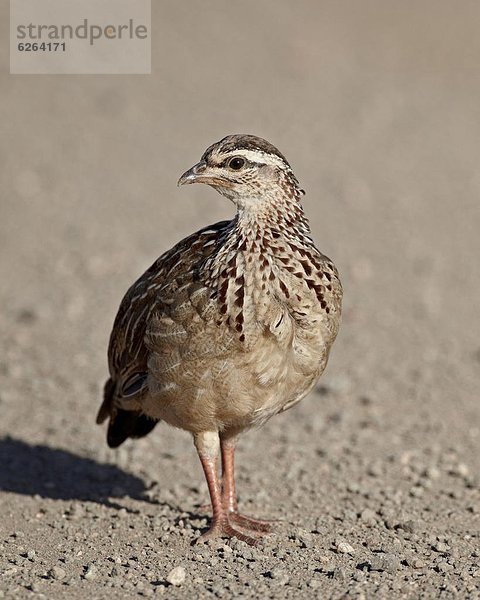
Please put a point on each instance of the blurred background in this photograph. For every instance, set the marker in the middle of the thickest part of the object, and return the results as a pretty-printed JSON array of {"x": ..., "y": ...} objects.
[{"x": 376, "y": 106}]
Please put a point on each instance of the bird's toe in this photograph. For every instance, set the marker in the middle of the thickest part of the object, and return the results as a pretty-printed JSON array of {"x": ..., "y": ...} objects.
[
  {"x": 257, "y": 526},
  {"x": 225, "y": 530}
]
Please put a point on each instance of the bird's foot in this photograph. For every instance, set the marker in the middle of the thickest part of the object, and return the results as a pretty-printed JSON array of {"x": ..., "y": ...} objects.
[
  {"x": 223, "y": 529},
  {"x": 257, "y": 526}
]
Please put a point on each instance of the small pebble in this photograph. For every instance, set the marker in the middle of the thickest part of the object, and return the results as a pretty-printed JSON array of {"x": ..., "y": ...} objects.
[
  {"x": 375, "y": 469},
  {"x": 368, "y": 516},
  {"x": 409, "y": 526},
  {"x": 18, "y": 534},
  {"x": 385, "y": 562},
  {"x": 305, "y": 539},
  {"x": 279, "y": 575},
  {"x": 391, "y": 523},
  {"x": 353, "y": 487},
  {"x": 340, "y": 573},
  {"x": 441, "y": 547},
  {"x": 57, "y": 573},
  {"x": 461, "y": 470},
  {"x": 416, "y": 491},
  {"x": 444, "y": 567},
  {"x": 176, "y": 576},
  {"x": 226, "y": 550},
  {"x": 345, "y": 548},
  {"x": 432, "y": 473},
  {"x": 90, "y": 572},
  {"x": 417, "y": 563}
]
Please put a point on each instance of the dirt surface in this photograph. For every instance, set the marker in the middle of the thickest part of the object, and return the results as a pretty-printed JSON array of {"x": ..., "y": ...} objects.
[{"x": 376, "y": 474}]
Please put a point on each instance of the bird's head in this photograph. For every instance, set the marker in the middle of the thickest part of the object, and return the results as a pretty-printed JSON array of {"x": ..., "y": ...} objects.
[{"x": 246, "y": 169}]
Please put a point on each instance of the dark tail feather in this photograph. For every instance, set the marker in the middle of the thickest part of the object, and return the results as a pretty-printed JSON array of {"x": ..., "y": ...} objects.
[
  {"x": 127, "y": 423},
  {"x": 106, "y": 408},
  {"x": 123, "y": 423}
]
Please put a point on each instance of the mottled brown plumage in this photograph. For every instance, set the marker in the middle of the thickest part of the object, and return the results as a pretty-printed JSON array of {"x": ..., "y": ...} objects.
[{"x": 231, "y": 326}]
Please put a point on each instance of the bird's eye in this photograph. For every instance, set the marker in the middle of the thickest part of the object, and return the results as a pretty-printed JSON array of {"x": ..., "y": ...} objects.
[{"x": 236, "y": 163}]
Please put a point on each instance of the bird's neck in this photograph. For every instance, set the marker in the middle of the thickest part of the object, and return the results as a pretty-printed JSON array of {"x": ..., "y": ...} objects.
[{"x": 283, "y": 216}]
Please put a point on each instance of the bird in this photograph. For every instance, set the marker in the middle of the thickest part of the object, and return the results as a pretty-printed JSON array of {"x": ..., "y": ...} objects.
[{"x": 230, "y": 327}]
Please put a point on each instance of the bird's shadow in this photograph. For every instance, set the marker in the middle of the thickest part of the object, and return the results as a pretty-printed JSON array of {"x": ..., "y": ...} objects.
[{"x": 61, "y": 475}]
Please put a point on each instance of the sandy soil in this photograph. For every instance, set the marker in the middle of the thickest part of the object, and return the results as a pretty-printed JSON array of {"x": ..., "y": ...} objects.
[{"x": 375, "y": 474}]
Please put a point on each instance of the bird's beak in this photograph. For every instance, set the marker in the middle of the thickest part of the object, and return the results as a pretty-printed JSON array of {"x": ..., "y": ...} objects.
[
  {"x": 193, "y": 175},
  {"x": 200, "y": 174}
]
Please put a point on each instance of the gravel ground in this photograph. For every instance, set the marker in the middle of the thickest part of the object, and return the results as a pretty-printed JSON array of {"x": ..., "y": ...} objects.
[{"x": 375, "y": 476}]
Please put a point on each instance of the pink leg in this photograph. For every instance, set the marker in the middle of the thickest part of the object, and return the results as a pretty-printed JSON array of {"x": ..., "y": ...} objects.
[
  {"x": 229, "y": 496},
  {"x": 207, "y": 448}
]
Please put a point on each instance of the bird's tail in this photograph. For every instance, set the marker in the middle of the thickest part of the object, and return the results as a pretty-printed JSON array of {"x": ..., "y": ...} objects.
[{"x": 123, "y": 423}]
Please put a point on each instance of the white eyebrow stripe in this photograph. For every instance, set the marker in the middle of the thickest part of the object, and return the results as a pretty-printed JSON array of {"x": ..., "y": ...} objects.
[{"x": 258, "y": 156}]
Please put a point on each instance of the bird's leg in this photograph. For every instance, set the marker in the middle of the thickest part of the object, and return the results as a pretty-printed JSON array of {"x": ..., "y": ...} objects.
[
  {"x": 229, "y": 496},
  {"x": 207, "y": 444}
]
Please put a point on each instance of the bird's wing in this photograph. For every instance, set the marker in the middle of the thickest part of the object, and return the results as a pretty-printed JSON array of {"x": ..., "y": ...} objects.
[{"x": 148, "y": 297}]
